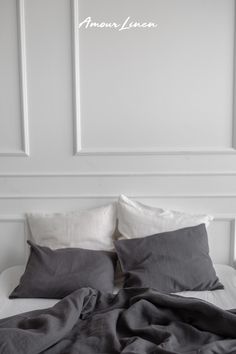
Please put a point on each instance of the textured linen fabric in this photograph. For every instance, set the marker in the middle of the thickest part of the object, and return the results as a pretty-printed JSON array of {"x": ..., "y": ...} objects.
[
  {"x": 89, "y": 229},
  {"x": 138, "y": 220},
  {"x": 54, "y": 274},
  {"x": 169, "y": 262},
  {"x": 137, "y": 321},
  {"x": 9, "y": 279}
]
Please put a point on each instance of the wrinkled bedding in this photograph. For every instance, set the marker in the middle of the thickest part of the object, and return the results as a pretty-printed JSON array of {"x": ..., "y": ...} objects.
[{"x": 134, "y": 321}]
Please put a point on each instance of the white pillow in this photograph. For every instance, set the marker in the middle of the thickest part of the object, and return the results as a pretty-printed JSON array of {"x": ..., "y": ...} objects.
[
  {"x": 91, "y": 229},
  {"x": 139, "y": 220}
]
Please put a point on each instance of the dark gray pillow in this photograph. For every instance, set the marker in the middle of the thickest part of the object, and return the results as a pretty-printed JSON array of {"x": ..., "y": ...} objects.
[
  {"x": 56, "y": 273},
  {"x": 169, "y": 262}
]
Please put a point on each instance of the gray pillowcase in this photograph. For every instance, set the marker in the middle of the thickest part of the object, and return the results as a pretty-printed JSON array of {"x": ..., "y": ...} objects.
[
  {"x": 169, "y": 262},
  {"x": 57, "y": 273}
]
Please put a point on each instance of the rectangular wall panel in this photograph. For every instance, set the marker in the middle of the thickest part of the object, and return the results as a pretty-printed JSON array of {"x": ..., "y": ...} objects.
[
  {"x": 13, "y": 89},
  {"x": 160, "y": 89},
  {"x": 221, "y": 239},
  {"x": 111, "y": 185},
  {"x": 12, "y": 242}
]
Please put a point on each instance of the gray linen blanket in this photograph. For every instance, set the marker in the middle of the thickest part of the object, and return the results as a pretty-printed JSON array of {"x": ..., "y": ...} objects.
[{"x": 135, "y": 321}]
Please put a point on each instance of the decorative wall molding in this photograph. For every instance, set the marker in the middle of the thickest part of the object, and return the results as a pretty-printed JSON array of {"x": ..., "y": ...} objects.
[
  {"x": 167, "y": 151},
  {"x": 232, "y": 220},
  {"x": 181, "y": 185},
  {"x": 103, "y": 196},
  {"x": 234, "y": 84},
  {"x": 118, "y": 174},
  {"x": 12, "y": 218},
  {"x": 23, "y": 83},
  {"x": 23, "y": 77},
  {"x": 233, "y": 243},
  {"x": 76, "y": 77},
  {"x": 79, "y": 150},
  {"x": 18, "y": 252}
]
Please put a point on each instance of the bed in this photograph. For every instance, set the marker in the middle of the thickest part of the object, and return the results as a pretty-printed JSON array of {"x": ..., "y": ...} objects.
[
  {"x": 137, "y": 321},
  {"x": 170, "y": 298},
  {"x": 225, "y": 298}
]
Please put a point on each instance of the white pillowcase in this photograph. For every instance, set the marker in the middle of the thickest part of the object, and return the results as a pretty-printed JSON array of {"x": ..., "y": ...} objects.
[
  {"x": 138, "y": 220},
  {"x": 90, "y": 229}
]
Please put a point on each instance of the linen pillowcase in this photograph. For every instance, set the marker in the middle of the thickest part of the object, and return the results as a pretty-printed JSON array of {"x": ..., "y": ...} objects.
[
  {"x": 89, "y": 229},
  {"x": 138, "y": 220},
  {"x": 54, "y": 274},
  {"x": 169, "y": 262}
]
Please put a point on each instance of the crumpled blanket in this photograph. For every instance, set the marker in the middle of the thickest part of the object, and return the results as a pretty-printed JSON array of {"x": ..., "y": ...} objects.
[{"x": 134, "y": 321}]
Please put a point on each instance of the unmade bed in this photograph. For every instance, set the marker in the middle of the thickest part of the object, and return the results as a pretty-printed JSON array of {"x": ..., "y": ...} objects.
[
  {"x": 148, "y": 287},
  {"x": 223, "y": 298},
  {"x": 134, "y": 321}
]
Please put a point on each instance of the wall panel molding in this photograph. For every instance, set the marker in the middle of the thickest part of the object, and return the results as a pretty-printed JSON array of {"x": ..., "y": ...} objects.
[
  {"x": 12, "y": 218},
  {"x": 23, "y": 77},
  {"x": 151, "y": 185},
  {"x": 76, "y": 77},
  {"x": 234, "y": 84},
  {"x": 79, "y": 150},
  {"x": 114, "y": 196},
  {"x": 13, "y": 236},
  {"x": 134, "y": 152},
  {"x": 117, "y": 174},
  {"x": 20, "y": 10},
  {"x": 233, "y": 242},
  {"x": 232, "y": 220}
]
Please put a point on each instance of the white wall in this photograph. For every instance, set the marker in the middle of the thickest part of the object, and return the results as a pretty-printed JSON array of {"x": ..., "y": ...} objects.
[{"x": 150, "y": 113}]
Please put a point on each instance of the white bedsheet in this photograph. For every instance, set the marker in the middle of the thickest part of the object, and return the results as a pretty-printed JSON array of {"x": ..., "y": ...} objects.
[
  {"x": 9, "y": 279},
  {"x": 225, "y": 298}
]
